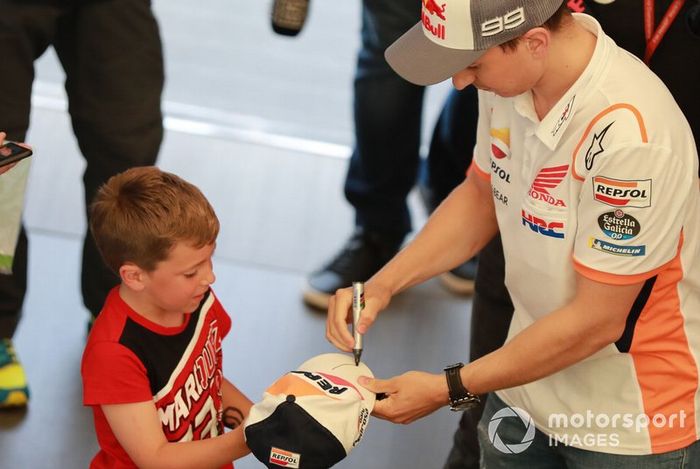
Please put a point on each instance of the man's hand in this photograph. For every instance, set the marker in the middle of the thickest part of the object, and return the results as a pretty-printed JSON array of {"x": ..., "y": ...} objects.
[
  {"x": 410, "y": 396},
  {"x": 377, "y": 298}
]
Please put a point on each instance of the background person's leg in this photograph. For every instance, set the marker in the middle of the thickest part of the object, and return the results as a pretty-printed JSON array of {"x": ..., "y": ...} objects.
[
  {"x": 384, "y": 164},
  {"x": 112, "y": 55},
  {"x": 25, "y": 33}
]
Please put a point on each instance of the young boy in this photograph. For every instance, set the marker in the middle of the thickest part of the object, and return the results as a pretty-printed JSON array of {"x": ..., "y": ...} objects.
[{"x": 152, "y": 366}]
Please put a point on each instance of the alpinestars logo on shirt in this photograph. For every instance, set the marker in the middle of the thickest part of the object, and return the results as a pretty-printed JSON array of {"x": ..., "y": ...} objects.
[{"x": 546, "y": 180}]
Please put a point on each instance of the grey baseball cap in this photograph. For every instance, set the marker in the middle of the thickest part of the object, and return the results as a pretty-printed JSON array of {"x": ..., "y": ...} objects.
[{"x": 452, "y": 34}]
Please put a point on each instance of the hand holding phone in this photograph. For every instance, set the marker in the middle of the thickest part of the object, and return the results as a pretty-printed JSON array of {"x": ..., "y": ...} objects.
[{"x": 11, "y": 152}]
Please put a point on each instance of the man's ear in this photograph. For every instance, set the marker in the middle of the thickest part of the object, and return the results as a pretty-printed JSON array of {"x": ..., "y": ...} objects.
[
  {"x": 537, "y": 41},
  {"x": 132, "y": 276}
]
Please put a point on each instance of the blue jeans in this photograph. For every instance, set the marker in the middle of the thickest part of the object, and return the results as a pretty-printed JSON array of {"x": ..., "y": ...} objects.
[
  {"x": 541, "y": 455},
  {"x": 387, "y": 115}
]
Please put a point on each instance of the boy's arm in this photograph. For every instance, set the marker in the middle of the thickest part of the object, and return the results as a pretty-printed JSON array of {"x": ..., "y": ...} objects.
[
  {"x": 236, "y": 405},
  {"x": 138, "y": 429}
]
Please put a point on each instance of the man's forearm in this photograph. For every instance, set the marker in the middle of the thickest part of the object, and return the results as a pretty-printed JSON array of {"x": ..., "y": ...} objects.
[{"x": 554, "y": 342}]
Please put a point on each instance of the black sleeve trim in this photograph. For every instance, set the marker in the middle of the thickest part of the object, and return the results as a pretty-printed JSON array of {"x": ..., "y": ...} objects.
[{"x": 624, "y": 343}]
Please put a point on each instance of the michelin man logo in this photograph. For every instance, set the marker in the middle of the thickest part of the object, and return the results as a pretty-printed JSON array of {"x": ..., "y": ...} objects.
[{"x": 511, "y": 448}]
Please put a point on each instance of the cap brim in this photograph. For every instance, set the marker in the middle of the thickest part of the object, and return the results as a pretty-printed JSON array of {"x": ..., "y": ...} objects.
[{"x": 421, "y": 61}]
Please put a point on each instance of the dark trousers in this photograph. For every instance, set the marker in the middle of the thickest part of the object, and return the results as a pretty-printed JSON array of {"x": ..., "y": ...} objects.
[
  {"x": 492, "y": 311},
  {"x": 111, "y": 53},
  {"x": 387, "y": 115}
]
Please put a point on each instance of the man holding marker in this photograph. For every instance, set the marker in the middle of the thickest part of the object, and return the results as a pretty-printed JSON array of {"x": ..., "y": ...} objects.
[
  {"x": 358, "y": 304},
  {"x": 604, "y": 324}
]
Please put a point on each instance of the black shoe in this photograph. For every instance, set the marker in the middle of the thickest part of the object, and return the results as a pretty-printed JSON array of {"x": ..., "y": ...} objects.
[
  {"x": 363, "y": 255},
  {"x": 460, "y": 280}
]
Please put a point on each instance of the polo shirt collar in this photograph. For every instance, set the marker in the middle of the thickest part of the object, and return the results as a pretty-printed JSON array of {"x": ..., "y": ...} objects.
[{"x": 555, "y": 123}]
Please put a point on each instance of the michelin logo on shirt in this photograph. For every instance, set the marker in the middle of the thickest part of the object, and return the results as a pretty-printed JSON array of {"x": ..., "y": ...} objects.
[{"x": 610, "y": 248}]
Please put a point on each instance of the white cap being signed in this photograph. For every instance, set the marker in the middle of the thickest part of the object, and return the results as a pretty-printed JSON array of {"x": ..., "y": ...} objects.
[{"x": 311, "y": 417}]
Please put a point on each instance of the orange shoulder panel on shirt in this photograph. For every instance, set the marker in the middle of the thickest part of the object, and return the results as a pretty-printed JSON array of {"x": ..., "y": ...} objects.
[{"x": 601, "y": 114}]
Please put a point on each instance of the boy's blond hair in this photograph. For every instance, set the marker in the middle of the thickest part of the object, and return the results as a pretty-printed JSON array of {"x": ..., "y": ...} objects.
[{"x": 138, "y": 215}]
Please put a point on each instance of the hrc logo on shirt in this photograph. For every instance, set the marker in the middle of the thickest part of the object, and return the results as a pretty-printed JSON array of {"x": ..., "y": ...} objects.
[{"x": 554, "y": 229}]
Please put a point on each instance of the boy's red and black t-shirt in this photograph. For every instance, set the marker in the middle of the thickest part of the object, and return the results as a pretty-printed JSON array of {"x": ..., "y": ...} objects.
[{"x": 130, "y": 359}]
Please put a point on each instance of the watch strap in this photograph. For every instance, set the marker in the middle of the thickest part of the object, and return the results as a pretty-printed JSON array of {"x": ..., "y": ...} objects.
[{"x": 456, "y": 389}]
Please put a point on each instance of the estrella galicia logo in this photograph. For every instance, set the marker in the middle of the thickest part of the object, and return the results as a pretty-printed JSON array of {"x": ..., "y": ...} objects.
[
  {"x": 554, "y": 229},
  {"x": 511, "y": 448},
  {"x": 619, "y": 225},
  {"x": 616, "y": 249},
  {"x": 596, "y": 147}
]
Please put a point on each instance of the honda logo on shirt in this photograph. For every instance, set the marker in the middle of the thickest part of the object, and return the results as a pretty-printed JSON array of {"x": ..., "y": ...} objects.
[{"x": 548, "y": 179}]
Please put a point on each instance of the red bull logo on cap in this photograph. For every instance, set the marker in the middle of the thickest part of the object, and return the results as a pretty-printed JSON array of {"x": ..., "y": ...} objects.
[
  {"x": 432, "y": 9},
  {"x": 622, "y": 192}
]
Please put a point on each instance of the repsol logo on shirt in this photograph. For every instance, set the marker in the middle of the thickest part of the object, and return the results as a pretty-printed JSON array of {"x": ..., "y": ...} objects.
[
  {"x": 622, "y": 192},
  {"x": 500, "y": 172}
]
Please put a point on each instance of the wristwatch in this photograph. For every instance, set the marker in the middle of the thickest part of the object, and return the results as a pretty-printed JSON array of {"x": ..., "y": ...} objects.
[{"x": 460, "y": 398}]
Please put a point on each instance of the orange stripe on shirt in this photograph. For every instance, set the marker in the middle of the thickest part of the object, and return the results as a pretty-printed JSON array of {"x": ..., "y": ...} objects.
[
  {"x": 474, "y": 168},
  {"x": 666, "y": 370},
  {"x": 601, "y": 114},
  {"x": 616, "y": 279}
]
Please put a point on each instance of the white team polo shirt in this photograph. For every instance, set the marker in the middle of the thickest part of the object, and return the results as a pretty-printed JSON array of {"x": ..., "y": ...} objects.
[{"x": 605, "y": 185}]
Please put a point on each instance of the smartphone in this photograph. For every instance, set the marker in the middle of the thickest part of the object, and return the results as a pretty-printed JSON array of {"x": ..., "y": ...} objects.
[{"x": 10, "y": 152}]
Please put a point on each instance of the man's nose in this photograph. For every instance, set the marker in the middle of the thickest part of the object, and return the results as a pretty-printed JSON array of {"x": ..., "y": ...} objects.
[{"x": 463, "y": 79}]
